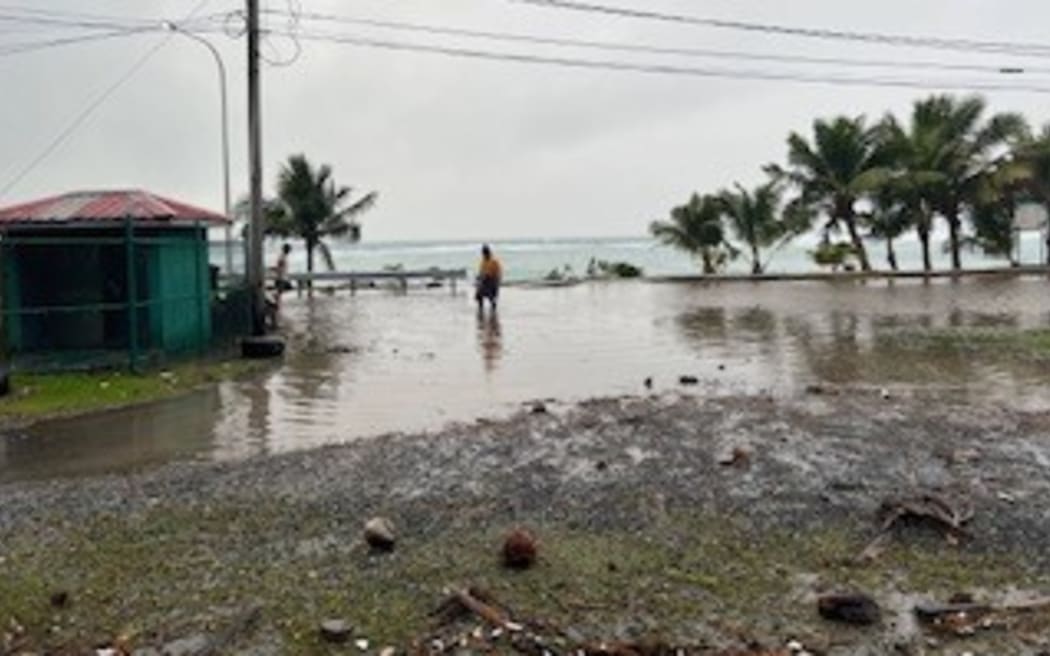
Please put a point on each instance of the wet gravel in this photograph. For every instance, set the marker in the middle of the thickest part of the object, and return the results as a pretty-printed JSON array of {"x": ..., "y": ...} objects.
[{"x": 811, "y": 461}]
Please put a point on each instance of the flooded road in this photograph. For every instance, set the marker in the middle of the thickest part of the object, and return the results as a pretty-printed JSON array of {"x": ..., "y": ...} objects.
[{"x": 380, "y": 363}]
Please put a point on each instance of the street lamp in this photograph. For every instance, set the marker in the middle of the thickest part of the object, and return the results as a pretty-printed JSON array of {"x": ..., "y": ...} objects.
[{"x": 225, "y": 135}]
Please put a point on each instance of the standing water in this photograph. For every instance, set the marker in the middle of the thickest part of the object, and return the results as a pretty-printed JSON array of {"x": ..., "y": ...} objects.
[{"x": 360, "y": 367}]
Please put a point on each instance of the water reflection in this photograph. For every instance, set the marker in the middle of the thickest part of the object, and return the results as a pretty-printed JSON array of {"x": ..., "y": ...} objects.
[
  {"x": 377, "y": 363},
  {"x": 490, "y": 339}
]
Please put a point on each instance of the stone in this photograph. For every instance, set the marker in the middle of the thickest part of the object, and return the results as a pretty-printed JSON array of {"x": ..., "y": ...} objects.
[
  {"x": 854, "y": 608},
  {"x": 186, "y": 646},
  {"x": 336, "y": 631},
  {"x": 379, "y": 534},
  {"x": 59, "y": 599},
  {"x": 520, "y": 549}
]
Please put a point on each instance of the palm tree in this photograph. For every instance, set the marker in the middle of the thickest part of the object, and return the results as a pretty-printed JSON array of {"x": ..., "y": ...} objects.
[
  {"x": 889, "y": 219},
  {"x": 913, "y": 159},
  {"x": 1034, "y": 154},
  {"x": 312, "y": 207},
  {"x": 696, "y": 228},
  {"x": 759, "y": 219},
  {"x": 969, "y": 155},
  {"x": 833, "y": 172}
]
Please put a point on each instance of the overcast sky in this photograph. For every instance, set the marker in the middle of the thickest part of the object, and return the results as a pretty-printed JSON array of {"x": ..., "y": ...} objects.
[{"x": 472, "y": 149}]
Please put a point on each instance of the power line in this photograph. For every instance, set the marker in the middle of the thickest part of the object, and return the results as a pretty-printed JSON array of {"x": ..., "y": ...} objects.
[
  {"x": 33, "y": 46},
  {"x": 966, "y": 45},
  {"x": 665, "y": 69},
  {"x": 665, "y": 50},
  {"x": 84, "y": 114}
]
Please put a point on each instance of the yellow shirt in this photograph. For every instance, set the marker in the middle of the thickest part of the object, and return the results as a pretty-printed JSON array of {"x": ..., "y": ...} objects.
[{"x": 490, "y": 268}]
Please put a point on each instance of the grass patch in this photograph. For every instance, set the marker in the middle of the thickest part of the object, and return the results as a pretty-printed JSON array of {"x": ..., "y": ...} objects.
[
  {"x": 1021, "y": 343},
  {"x": 41, "y": 396},
  {"x": 174, "y": 572}
]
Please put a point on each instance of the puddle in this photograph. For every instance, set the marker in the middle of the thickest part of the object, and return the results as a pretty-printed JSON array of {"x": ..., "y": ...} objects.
[{"x": 379, "y": 363}]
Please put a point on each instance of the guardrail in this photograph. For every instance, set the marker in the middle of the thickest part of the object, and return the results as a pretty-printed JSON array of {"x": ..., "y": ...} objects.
[{"x": 353, "y": 279}]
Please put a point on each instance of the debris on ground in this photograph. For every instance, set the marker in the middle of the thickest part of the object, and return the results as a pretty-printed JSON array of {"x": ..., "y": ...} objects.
[
  {"x": 853, "y": 608},
  {"x": 457, "y": 632},
  {"x": 739, "y": 457},
  {"x": 59, "y": 599},
  {"x": 336, "y": 631},
  {"x": 925, "y": 508},
  {"x": 379, "y": 534},
  {"x": 965, "y": 617},
  {"x": 520, "y": 549}
]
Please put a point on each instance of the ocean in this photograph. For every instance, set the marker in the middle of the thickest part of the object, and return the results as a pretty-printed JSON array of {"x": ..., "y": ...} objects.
[{"x": 533, "y": 259}]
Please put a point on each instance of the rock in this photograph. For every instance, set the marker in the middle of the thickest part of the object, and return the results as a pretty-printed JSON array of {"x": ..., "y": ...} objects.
[
  {"x": 59, "y": 599},
  {"x": 186, "y": 646},
  {"x": 885, "y": 394},
  {"x": 739, "y": 457},
  {"x": 519, "y": 549},
  {"x": 601, "y": 465},
  {"x": 379, "y": 534},
  {"x": 688, "y": 380},
  {"x": 388, "y": 651},
  {"x": 857, "y": 609},
  {"x": 336, "y": 631},
  {"x": 361, "y": 644},
  {"x": 539, "y": 408}
]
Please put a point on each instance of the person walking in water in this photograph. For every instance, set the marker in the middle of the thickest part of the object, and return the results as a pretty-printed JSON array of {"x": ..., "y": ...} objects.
[
  {"x": 490, "y": 275},
  {"x": 281, "y": 283}
]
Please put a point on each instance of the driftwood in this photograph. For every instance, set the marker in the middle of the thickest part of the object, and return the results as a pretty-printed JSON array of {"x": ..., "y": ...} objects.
[
  {"x": 934, "y": 612},
  {"x": 475, "y": 602},
  {"x": 929, "y": 508}
]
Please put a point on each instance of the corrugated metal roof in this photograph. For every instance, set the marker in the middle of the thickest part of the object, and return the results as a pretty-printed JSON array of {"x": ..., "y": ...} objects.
[{"x": 107, "y": 206}]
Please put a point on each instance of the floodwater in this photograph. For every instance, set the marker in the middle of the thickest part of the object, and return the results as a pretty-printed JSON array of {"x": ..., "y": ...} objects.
[{"x": 379, "y": 362}]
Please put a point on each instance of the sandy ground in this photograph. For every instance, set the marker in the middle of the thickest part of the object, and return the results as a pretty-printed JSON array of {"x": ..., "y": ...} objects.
[{"x": 647, "y": 529}]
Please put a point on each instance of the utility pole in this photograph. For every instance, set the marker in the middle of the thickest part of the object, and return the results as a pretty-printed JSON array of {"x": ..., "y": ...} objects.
[{"x": 256, "y": 271}]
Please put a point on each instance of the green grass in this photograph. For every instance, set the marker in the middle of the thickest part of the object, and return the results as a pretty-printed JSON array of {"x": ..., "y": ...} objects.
[
  {"x": 1020, "y": 343},
  {"x": 174, "y": 572},
  {"x": 41, "y": 396}
]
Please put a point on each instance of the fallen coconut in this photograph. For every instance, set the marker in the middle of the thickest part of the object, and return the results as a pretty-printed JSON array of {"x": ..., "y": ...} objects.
[{"x": 519, "y": 549}]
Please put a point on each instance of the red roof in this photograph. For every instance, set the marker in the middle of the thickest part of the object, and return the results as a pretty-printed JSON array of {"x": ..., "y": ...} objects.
[{"x": 107, "y": 206}]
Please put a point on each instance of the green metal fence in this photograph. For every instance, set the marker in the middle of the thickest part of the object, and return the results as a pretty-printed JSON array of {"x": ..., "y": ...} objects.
[{"x": 116, "y": 295}]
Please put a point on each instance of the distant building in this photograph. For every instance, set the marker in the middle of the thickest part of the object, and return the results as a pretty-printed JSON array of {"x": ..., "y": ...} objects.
[{"x": 90, "y": 277}]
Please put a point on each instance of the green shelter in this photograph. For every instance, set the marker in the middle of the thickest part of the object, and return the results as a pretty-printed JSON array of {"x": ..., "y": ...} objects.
[{"x": 93, "y": 278}]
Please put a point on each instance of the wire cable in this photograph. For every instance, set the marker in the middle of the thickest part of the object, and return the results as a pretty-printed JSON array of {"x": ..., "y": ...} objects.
[
  {"x": 966, "y": 45},
  {"x": 665, "y": 50},
  {"x": 664, "y": 69},
  {"x": 33, "y": 46},
  {"x": 86, "y": 113}
]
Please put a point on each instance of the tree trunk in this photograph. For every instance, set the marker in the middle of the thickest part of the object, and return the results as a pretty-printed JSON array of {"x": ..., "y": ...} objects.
[
  {"x": 891, "y": 254},
  {"x": 953, "y": 238},
  {"x": 756, "y": 261},
  {"x": 924, "y": 239},
  {"x": 709, "y": 266},
  {"x": 310, "y": 246},
  {"x": 858, "y": 243}
]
